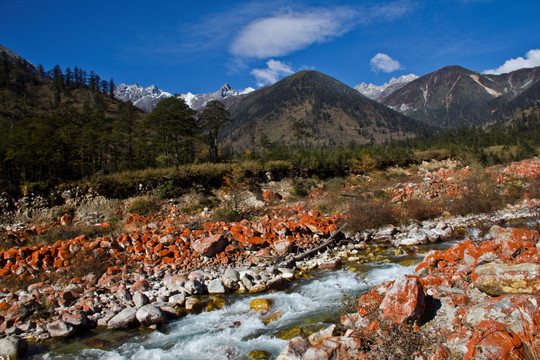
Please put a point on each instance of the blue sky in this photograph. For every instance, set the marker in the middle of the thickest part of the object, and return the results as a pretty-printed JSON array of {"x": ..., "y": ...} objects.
[{"x": 198, "y": 46}]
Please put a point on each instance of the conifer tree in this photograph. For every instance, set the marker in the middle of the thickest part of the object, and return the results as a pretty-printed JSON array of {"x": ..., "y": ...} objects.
[{"x": 212, "y": 119}]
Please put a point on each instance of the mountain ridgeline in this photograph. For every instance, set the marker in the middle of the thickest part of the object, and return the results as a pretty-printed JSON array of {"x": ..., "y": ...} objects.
[
  {"x": 314, "y": 109},
  {"x": 454, "y": 96}
]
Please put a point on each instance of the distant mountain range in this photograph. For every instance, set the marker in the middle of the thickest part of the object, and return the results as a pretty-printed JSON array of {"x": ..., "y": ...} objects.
[
  {"x": 314, "y": 109},
  {"x": 147, "y": 98}
]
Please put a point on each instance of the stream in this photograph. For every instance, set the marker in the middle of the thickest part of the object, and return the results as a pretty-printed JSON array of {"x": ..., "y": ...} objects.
[{"x": 232, "y": 332}]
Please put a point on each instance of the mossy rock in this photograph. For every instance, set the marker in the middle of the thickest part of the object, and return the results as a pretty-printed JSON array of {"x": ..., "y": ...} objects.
[
  {"x": 219, "y": 302},
  {"x": 291, "y": 333},
  {"x": 261, "y": 304},
  {"x": 259, "y": 354},
  {"x": 272, "y": 318},
  {"x": 409, "y": 262}
]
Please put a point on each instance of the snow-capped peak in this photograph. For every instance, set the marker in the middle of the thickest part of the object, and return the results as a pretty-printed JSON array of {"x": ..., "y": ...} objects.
[
  {"x": 147, "y": 98},
  {"x": 375, "y": 92},
  {"x": 247, "y": 91},
  {"x": 143, "y": 98}
]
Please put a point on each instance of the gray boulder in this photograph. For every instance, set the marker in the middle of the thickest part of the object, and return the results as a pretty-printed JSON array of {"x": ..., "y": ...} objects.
[
  {"x": 151, "y": 315},
  {"x": 124, "y": 319},
  {"x": 12, "y": 347},
  {"x": 60, "y": 329}
]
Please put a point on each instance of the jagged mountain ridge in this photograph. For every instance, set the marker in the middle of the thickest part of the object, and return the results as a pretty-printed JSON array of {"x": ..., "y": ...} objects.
[
  {"x": 147, "y": 98},
  {"x": 454, "y": 96},
  {"x": 199, "y": 101},
  {"x": 375, "y": 92},
  {"x": 143, "y": 98},
  {"x": 313, "y": 108}
]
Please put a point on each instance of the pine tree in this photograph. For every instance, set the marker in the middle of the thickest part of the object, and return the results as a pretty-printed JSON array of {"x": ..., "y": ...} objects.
[
  {"x": 212, "y": 119},
  {"x": 171, "y": 128}
]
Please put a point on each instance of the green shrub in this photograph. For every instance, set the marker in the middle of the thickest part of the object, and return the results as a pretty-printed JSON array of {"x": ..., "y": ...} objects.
[
  {"x": 226, "y": 214},
  {"x": 144, "y": 206}
]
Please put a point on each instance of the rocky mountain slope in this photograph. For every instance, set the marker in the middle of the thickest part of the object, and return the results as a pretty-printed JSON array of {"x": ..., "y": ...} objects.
[
  {"x": 313, "y": 108},
  {"x": 454, "y": 96}
]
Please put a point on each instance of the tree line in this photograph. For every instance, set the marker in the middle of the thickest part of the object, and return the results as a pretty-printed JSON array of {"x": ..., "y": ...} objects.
[{"x": 64, "y": 125}]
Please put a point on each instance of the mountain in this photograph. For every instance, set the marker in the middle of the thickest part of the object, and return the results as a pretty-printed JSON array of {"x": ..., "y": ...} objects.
[
  {"x": 143, "y": 98},
  {"x": 147, "y": 98},
  {"x": 374, "y": 92},
  {"x": 199, "y": 101},
  {"x": 12, "y": 56},
  {"x": 313, "y": 108},
  {"x": 454, "y": 96}
]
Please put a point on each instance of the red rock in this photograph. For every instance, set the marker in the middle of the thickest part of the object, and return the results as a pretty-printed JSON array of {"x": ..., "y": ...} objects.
[
  {"x": 404, "y": 301},
  {"x": 491, "y": 340},
  {"x": 369, "y": 302},
  {"x": 65, "y": 220},
  {"x": 283, "y": 246},
  {"x": 211, "y": 245},
  {"x": 441, "y": 353},
  {"x": 140, "y": 285}
]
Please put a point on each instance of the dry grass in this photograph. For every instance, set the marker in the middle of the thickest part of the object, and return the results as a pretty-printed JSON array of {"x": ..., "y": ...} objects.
[{"x": 367, "y": 213}]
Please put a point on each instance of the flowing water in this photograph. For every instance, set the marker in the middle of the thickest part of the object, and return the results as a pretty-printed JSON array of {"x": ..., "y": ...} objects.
[{"x": 235, "y": 330}]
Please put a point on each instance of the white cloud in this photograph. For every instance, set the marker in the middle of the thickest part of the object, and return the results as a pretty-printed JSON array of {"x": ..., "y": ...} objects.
[
  {"x": 383, "y": 62},
  {"x": 282, "y": 34},
  {"x": 274, "y": 71},
  {"x": 532, "y": 59}
]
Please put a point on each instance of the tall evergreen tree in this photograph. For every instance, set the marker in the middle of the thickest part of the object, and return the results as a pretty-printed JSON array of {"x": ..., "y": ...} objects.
[
  {"x": 172, "y": 128},
  {"x": 211, "y": 120}
]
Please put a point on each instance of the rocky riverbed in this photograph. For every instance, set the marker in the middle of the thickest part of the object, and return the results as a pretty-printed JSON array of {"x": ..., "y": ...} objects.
[{"x": 166, "y": 266}]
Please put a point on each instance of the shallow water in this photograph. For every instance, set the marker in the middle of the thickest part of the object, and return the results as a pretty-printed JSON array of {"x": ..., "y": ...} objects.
[{"x": 235, "y": 330}]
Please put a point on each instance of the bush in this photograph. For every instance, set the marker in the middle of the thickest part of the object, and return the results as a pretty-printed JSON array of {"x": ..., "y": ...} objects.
[
  {"x": 368, "y": 213},
  {"x": 480, "y": 195},
  {"x": 416, "y": 209},
  {"x": 144, "y": 206},
  {"x": 227, "y": 214},
  {"x": 301, "y": 187}
]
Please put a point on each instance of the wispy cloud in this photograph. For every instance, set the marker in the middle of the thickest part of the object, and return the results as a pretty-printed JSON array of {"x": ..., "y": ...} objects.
[
  {"x": 287, "y": 31},
  {"x": 274, "y": 70},
  {"x": 283, "y": 34},
  {"x": 383, "y": 62},
  {"x": 531, "y": 59}
]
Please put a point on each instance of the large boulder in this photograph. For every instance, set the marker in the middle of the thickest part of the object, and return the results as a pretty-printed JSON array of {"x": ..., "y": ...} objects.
[
  {"x": 124, "y": 319},
  {"x": 216, "y": 287},
  {"x": 295, "y": 349},
  {"x": 499, "y": 279},
  {"x": 404, "y": 301},
  {"x": 12, "y": 347},
  {"x": 515, "y": 311},
  {"x": 210, "y": 246},
  {"x": 151, "y": 315},
  {"x": 60, "y": 329}
]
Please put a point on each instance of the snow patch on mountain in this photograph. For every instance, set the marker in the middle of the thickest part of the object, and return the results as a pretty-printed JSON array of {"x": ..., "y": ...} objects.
[
  {"x": 376, "y": 92},
  {"x": 143, "y": 98},
  {"x": 199, "y": 101}
]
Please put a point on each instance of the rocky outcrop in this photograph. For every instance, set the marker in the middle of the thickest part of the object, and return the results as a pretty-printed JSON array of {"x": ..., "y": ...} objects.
[{"x": 476, "y": 300}]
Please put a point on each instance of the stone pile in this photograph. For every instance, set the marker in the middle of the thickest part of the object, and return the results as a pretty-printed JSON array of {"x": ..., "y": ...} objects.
[{"x": 476, "y": 300}]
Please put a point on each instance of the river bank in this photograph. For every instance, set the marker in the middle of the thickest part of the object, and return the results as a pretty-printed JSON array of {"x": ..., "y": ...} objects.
[{"x": 169, "y": 265}]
